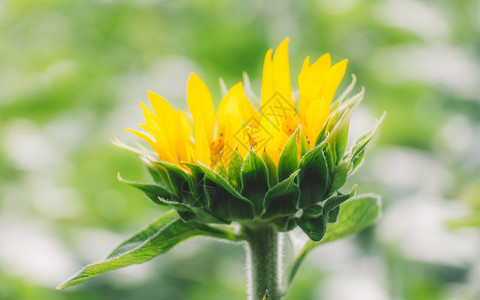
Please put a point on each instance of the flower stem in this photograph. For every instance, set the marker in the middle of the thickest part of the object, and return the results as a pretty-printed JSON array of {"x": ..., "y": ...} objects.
[{"x": 262, "y": 260}]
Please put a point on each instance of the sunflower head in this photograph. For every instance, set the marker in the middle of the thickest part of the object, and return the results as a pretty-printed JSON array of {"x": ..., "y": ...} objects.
[{"x": 281, "y": 159}]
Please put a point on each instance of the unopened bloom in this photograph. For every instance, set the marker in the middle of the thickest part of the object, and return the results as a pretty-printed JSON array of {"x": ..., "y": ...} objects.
[
  {"x": 248, "y": 160},
  {"x": 238, "y": 124}
]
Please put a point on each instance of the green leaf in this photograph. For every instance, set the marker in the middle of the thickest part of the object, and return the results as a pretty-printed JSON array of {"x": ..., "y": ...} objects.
[
  {"x": 155, "y": 239},
  {"x": 356, "y": 214},
  {"x": 153, "y": 191},
  {"x": 254, "y": 180},
  {"x": 271, "y": 167},
  {"x": 282, "y": 199},
  {"x": 144, "y": 234},
  {"x": 314, "y": 177},
  {"x": 288, "y": 162},
  {"x": 235, "y": 169}
]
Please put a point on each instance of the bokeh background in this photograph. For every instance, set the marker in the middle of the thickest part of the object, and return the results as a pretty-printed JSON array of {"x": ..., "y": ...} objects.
[{"x": 72, "y": 74}]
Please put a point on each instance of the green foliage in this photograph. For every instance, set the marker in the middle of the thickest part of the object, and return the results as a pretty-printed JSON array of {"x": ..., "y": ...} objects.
[
  {"x": 156, "y": 238},
  {"x": 355, "y": 215}
]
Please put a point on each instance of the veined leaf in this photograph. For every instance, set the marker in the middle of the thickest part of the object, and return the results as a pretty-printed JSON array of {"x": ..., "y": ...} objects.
[
  {"x": 355, "y": 215},
  {"x": 155, "y": 239}
]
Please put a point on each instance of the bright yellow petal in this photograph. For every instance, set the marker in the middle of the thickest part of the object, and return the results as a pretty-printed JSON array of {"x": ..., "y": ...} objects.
[
  {"x": 200, "y": 104},
  {"x": 310, "y": 81},
  {"x": 317, "y": 114},
  {"x": 281, "y": 70},
  {"x": 268, "y": 87},
  {"x": 202, "y": 146},
  {"x": 184, "y": 135},
  {"x": 332, "y": 80}
]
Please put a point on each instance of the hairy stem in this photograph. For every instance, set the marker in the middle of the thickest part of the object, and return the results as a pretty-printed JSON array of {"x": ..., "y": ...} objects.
[{"x": 262, "y": 260}]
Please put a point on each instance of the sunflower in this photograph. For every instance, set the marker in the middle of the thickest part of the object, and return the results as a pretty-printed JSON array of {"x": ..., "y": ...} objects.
[{"x": 239, "y": 123}]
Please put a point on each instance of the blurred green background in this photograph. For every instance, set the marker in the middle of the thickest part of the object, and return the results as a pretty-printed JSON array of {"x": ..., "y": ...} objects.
[{"x": 71, "y": 76}]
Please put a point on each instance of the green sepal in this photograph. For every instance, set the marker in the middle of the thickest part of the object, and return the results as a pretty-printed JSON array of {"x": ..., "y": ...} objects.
[
  {"x": 221, "y": 169},
  {"x": 235, "y": 169},
  {"x": 314, "y": 228},
  {"x": 345, "y": 93},
  {"x": 158, "y": 174},
  {"x": 223, "y": 200},
  {"x": 152, "y": 191},
  {"x": 314, "y": 177},
  {"x": 188, "y": 212},
  {"x": 333, "y": 215},
  {"x": 304, "y": 147},
  {"x": 225, "y": 205},
  {"x": 282, "y": 199},
  {"x": 338, "y": 138},
  {"x": 284, "y": 224},
  {"x": 254, "y": 180},
  {"x": 185, "y": 211},
  {"x": 358, "y": 149},
  {"x": 288, "y": 162},
  {"x": 271, "y": 167},
  {"x": 194, "y": 193},
  {"x": 315, "y": 219},
  {"x": 339, "y": 176},
  {"x": 178, "y": 176},
  {"x": 355, "y": 162},
  {"x": 155, "y": 239}
]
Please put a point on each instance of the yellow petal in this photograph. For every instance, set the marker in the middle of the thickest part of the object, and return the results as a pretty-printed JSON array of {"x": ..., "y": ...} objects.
[
  {"x": 236, "y": 105},
  {"x": 185, "y": 132},
  {"x": 200, "y": 104},
  {"x": 202, "y": 146},
  {"x": 268, "y": 87},
  {"x": 317, "y": 114},
  {"x": 310, "y": 81},
  {"x": 281, "y": 70},
  {"x": 332, "y": 80}
]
